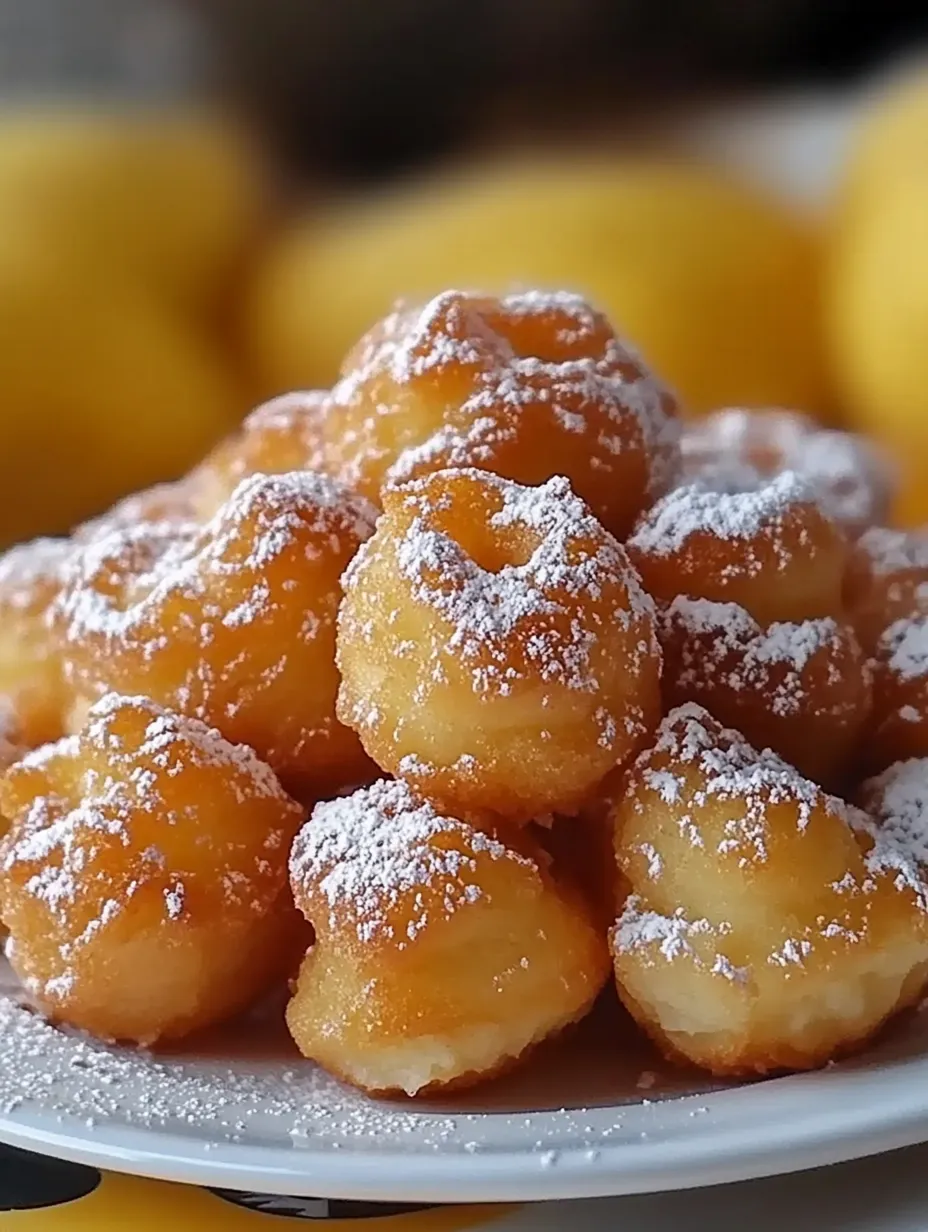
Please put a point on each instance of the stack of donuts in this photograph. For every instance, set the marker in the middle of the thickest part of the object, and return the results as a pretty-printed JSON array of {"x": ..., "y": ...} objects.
[{"x": 456, "y": 693}]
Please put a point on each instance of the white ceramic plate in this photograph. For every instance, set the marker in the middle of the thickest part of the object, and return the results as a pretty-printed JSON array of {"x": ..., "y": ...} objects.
[{"x": 593, "y": 1115}]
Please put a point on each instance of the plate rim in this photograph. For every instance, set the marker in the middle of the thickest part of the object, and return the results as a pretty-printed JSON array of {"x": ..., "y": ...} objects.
[{"x": 807, "y": 1132}]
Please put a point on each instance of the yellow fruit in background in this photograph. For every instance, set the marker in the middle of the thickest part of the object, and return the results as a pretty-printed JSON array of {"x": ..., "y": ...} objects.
[
  {"x": 174, "y": 198},
  {"x": 101, "y": 391},
  {"x": 890, "y": 141},
  {"x": 122, "y": 238},
  {"x": 718, "y": 286},
  {"x": 877, "y": 296}
]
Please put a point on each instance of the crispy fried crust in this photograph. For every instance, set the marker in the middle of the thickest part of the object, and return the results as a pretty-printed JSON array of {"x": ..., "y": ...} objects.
[
  {"x": 495, "y": 646},
  {"x": 773, "y": 551},
  {"x": 144, "y": 876},
  {"x": 442, "y": 953},
  {"x": 527, "y": 386},
  {"x": 769, "y": 926},
  {"x": 232, "y": 622}
]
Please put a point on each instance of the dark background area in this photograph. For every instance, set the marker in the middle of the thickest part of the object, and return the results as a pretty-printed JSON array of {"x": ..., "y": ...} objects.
[{"x": 363, "y": 89}]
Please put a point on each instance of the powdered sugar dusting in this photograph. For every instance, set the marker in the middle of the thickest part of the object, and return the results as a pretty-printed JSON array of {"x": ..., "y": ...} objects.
[
  {"x": 287, "y": 1101},
  {"x": 730, "y": 769},
  {"x": 720, "y": 644},
  {"x": 898, "y": 799},
  {"x": 385, "y": 853},
  {"x": 283, "y": 505},
  {"x": 288, "y": 427},
  {"x": 121, "y": 766},
  {"x": 210, "y": 579},
  {"x": 740, "y": 516},
  {"x": 297, "y": 412},
  {"x": 738, "y": 450},
  {"x": 672, "y": 937},
  {"x": 894, "y": 551},
  {"x": 904, "y": 648},
  {"x": 568, "y": 563},
  {"x": 171, "y": 743},
  {"x": 596, "y": 387},
  {"x": 31, "y": 573}
]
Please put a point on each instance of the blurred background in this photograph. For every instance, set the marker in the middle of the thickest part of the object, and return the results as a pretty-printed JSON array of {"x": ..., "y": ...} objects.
[{"x": 204, "y": 202}]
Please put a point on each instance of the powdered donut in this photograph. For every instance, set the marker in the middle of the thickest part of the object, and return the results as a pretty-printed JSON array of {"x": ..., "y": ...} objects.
[
  {"x": 527, "y": 386},
  {"x": 284, "y": 434},
  {"x": 770, "y": 926},
  {"x": 233, "y": 623},
  {"x": 442, "y": 953},
  {"x": 899, "y": 728},
  {"x": 772, "y": 551},
  {"x": 495, "y": 646},
  {"x": 803, "y": 690},
  {"x": 739, "y": 451},
  {"x": 144, "y": 877},
  {"x": 32, "y": 685},
  {"x": 897, "y": 800},
  {"x": 887, "y": 580}
]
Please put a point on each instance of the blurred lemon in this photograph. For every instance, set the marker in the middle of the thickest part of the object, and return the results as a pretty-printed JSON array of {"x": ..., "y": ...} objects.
[
  {"x": 718, "y": 286},
  {"x": 877, "y": 301},
  {"x": 893, "y": 128},
  {"x": 120, "y": 238},
  {"x": 173, "y": 198},
  {"x": 102, "y": 392}
]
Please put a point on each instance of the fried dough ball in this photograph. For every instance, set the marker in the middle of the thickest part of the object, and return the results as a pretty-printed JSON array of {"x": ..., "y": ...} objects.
[
  {"x": 495, "y": 646},
  {"x": 144, "y": 877},
  {"x": 736, "y": 450},
  {"x": 770, "y": 926},
  {"x": 527, "y": 386},
  {"x": 164, "y": 502},
  {"x": 803, "y": 690},
  {"x": 887, "y": 580},
  {"x": 233, "y": 623},
  {"x": 284, "y": 434},
  {"x": 442, "y": 954},
  {"x": 900, "y": 694},
  {"x": 897, "y": 800},
  {"x": 772, "y": 551},
  {"x": 32, "y": 684},
  {"x": 12, "y": 748}
]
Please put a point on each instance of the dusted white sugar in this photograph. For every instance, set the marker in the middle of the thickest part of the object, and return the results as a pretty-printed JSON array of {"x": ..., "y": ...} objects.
[
  {"x": 904, "y": 647},
  {"x": 671, "y": 937},
  {"x": 371, "y": 856},
  {"x": 898, "y": 799},
  {"x": 609, "y": 383},
  {"x": 733, "y": 769},
  {"x": 694, "y": 509},
  {"x": 288, "y": 410},
  {"x": 730, "y": 770},
  {"x": 289, "y": 504},
  {"x": 739, "y": 450},
  {"x": 209, "y": 579},
  {"x": 581, "y": 320},
  {"x": 536, "y": 602},
  {"x": 721, "y": 645},
  {"x": 209, "y": 1098},
  {"x": 894, "y": 551},
  {"x": 637, "y": 928},
  {"x": 31, "y": 573},
  {"x": 59, "y": 829}
]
